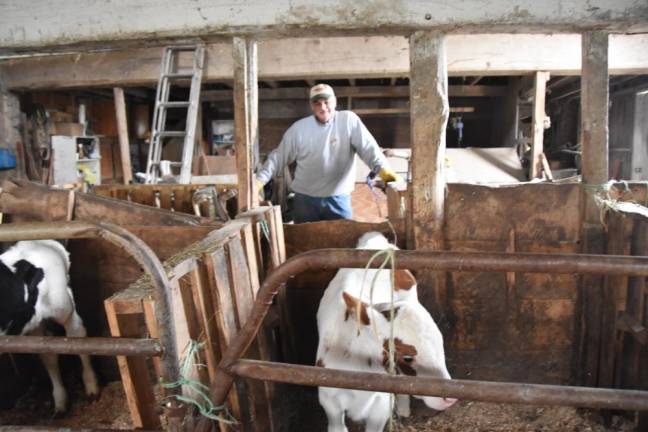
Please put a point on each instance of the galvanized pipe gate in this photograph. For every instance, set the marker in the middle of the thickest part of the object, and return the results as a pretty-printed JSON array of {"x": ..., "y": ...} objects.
[
  {"x": 232, "y": 365},
  {"x": 164, "y": 346}
]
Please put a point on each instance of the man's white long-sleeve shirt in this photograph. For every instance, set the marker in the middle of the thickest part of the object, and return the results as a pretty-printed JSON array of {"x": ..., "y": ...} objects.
[{"x": 325, "y": 154}]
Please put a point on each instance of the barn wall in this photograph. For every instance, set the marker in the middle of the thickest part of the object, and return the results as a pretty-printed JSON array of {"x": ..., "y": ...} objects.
[
  {"x": 524, "y": 322},
  {"x": 518, "y": 330}
]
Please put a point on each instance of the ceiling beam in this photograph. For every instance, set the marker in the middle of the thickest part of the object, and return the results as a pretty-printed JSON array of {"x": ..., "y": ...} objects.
[
  {"x": 358, "y": 92},
  {"x": 353, "y": 57},
  {"x": 128, "y": 23}
]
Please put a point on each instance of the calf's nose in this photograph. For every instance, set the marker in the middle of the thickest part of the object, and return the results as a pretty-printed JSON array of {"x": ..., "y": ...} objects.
[{"x": 449, "y": 401}]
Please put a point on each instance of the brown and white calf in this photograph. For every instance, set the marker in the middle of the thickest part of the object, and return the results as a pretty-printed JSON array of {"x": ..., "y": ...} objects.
[
  {"x": 34, "y": 288},
  {"x": 359, "y": 342}
]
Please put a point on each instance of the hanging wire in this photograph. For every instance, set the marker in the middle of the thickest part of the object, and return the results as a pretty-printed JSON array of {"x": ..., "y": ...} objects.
[
  {"x": 202, "y": 401},
  {"x": 389, "y": 258}
]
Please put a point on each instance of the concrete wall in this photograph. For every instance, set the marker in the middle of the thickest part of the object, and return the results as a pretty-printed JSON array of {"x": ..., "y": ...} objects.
[{"x": 44, "y": 23}]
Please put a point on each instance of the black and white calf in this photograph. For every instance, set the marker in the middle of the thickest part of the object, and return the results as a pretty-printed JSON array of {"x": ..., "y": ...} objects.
[{"x": 33, "y": 288}]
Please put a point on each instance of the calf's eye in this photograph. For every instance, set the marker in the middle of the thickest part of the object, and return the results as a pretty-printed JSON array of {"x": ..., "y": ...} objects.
[{"x": 408, "y": 359}]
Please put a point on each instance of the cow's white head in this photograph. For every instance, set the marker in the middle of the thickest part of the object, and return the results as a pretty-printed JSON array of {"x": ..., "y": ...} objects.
[{"x": 417, "y": 340}]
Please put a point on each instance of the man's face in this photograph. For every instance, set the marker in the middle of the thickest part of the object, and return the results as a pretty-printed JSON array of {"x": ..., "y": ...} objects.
[{"x": 324, "y": 109}]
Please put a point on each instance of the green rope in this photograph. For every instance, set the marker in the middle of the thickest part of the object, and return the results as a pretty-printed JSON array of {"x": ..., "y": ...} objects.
[
  {"x": 265, "y": 229},
  {"x": 203, "y": 403}
]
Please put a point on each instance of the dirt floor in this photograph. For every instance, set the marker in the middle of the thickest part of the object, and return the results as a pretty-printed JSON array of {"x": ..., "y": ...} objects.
[
  {"x": 467, "y": 416},
  {"x": 35, "y": 408},
  {"x": 302, "y": 413}
]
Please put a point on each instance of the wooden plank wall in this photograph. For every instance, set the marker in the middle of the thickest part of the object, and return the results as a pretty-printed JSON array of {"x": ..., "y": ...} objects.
[
  {"x": 214, "y": 283},
  {"x": 512, "y": 326},
  {"x": 498, "y": 326},
  {"x": 624, "y": 318}
]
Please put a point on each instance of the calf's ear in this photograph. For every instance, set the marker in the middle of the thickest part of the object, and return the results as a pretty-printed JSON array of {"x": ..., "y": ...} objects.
[
  {"x": 355, "y": 309},
  {"x": 404, "y": 280}
]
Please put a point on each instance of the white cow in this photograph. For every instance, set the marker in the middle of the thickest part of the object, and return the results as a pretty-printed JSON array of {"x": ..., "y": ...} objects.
[{"x": 346, "y": 343}]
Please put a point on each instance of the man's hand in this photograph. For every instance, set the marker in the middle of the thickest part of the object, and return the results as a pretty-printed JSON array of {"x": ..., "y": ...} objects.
[
  {"x": 259, "y": 186},
  {"x": 387, "y": 175}
]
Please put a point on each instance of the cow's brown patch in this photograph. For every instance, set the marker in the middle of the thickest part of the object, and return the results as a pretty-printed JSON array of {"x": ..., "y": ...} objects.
[
  {"x": 404, "y": 280},
  {"x": 319, "y": 363},
  {"x": 405, "y": 357},
  {"x": 353, "y": 304}
]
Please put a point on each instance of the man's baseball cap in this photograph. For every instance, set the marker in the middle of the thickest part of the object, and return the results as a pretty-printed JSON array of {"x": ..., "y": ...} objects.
[{"x": 321, "y": 91}]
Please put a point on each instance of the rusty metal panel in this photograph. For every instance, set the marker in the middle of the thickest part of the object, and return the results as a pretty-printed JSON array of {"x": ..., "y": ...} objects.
[{"x": 537, "y": 212}]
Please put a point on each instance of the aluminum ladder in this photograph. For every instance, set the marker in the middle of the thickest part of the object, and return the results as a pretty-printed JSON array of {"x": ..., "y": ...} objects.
[{"x": 171, "y": 74}]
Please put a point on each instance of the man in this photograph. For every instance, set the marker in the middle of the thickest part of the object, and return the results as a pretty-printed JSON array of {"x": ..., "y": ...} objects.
[{"x": 324, "y": 145}]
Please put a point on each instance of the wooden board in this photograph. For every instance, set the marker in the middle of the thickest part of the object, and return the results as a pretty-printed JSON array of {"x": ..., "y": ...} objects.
[
  {"x": 134, "y": 370},
  {"x": 171, "y": 197},
  {"x": 358, "y": 56},
  {"x": 494, "y": 327},
  {"x": 28, "y": 201},
  {"x": 226, "y": 323}
]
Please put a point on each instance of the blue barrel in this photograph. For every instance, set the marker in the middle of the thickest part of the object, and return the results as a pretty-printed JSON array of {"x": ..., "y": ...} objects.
[{"x": 7, "y": 159}]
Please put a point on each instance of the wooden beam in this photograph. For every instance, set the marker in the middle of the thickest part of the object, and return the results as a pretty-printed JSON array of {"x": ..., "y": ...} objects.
[
  {"x": 348, "y": 57},
  {"x": 594, "y": 108},
  {"x": 403, "y": 110},
  {"x": 538, "y": 123},
  {"x": 242, "y": 116},
  {"x": 122, "y": 132},
  {"x": 594, "y": 139},
  {"x": 429, "y": 116},
  {"x": 357, "y": 92},
  {"x": 133, "y": 370},
  {"x": 126, "y": 23},
  {"x": 253, "y": 119}
]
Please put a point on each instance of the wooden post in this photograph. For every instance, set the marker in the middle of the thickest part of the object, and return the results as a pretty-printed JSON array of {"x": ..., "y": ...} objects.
[
  {"x": 245, "y": 129},
  {"x": 122, "y": 131},
  {"x": 429, "y": 116},
  {"x": 538, "y": 122},
  {"x": 594, "y": 108},
  {"x": 253, "y": 114},
  {"x": 594, "y": 143}
]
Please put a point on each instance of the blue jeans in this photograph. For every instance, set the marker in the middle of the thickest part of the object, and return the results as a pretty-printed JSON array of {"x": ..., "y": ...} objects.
[{"x": 311, "y": 209}]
